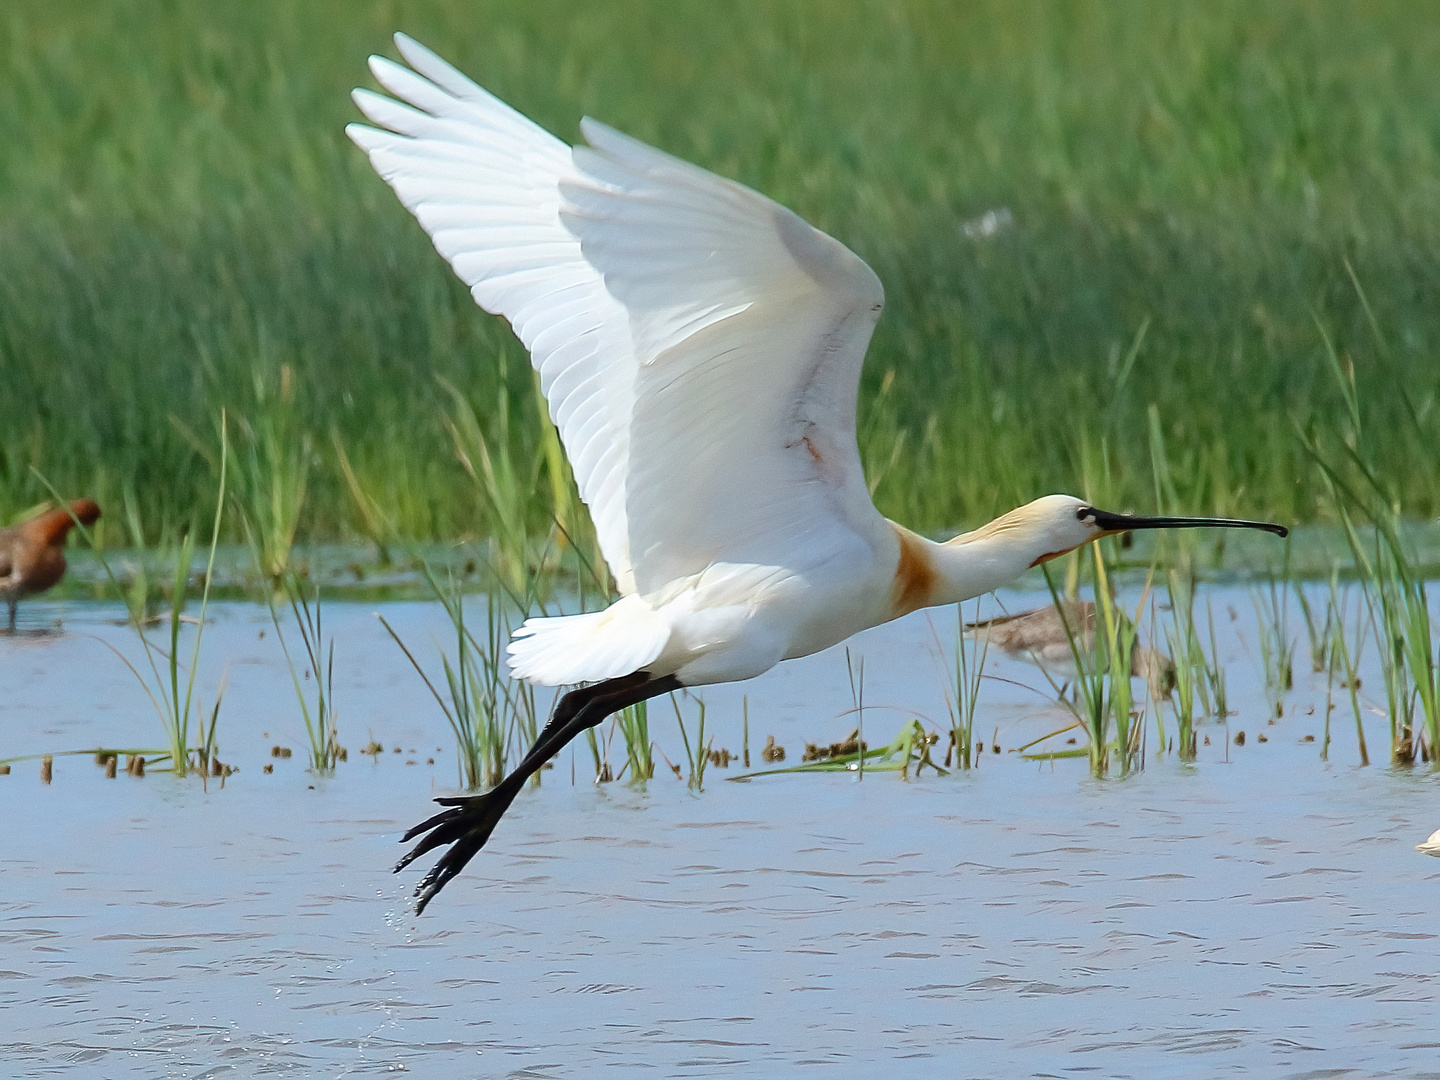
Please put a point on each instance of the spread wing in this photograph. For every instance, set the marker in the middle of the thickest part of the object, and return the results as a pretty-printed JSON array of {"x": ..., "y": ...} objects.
[{"x": 699, "y": 345}]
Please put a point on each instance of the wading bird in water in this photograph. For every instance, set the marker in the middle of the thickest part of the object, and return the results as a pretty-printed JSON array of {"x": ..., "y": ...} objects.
[
  {"x": 32, "y": 553},
  {"x": 700, "y": 349},
  {"x": 1050, "y": 638}
]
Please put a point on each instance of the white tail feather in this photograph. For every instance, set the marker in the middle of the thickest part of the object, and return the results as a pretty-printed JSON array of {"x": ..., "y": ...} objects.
[{"x": 607, "y": 644}]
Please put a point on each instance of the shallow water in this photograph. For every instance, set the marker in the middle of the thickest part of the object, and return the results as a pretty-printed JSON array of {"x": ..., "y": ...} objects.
[{"x": 1261, "y": 915}]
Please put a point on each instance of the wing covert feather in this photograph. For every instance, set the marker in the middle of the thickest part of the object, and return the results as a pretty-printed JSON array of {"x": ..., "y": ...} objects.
[{"x": 749, "y": 328}]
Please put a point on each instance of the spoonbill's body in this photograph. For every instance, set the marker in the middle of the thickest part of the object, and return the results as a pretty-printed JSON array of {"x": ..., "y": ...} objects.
[
  {"x": 32, "y": 553},
  {"x": 1043, "y": 638},
  {"x": 700, "y": 348}
]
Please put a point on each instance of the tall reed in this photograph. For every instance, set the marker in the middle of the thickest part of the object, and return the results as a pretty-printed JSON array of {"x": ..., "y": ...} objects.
[
  {"x": 697, "y": 753},
  {"x": 170, "y": 685},
  {"x": 321, "y": 725},
  {"x": 1345, "y": 662},
  {"x": 961, "y": 684},
  {"x": 1103, "y": 703},
  {"x": 634, "y": 725},
  {"x": 1022, "y": 179},
  {"x": 1395, "y": 592},
  {"x": 1319, "y": 630},
  {"x": 489, "y": 714},
  {"x": 275, "y": 458},
  {"x": 1277, "y": 647}
]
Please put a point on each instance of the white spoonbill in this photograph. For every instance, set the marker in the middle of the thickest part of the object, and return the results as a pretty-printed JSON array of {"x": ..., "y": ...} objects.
[{"x": 700, "y": 349}]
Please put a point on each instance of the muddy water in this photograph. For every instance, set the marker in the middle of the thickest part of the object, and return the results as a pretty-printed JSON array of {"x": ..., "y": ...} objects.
[{"x": 1262, "y": 913}]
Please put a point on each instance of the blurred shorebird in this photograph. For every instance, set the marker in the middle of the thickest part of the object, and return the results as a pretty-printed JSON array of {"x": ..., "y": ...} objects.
[
  {"x": 1039, "y": 637},
  {"x": 1432, "y": 845},
  {"x": 700, "y": 349},
  {"x": 32, "y": 553}
]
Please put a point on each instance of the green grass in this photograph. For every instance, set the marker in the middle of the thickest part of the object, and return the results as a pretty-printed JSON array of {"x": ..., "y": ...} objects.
[
  {"x": 186, "y": 228},
  {"x": 170, "y": 682},
  {"x": 314, "y": 666}
]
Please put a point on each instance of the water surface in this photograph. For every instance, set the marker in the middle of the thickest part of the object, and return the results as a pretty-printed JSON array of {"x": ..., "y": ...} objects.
[{"x": 1262, "y": 913}]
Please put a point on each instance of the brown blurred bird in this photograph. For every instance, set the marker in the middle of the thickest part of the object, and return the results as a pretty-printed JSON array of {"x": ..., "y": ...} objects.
[
  {"x": 32, "y": 553},
  {"x": 1039, "y": 637}
]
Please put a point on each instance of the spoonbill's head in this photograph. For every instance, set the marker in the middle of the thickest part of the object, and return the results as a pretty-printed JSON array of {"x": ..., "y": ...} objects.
[{"x": 1062, "y": 523}]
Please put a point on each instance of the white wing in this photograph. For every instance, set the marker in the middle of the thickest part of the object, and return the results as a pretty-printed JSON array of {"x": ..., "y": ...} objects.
[
  {"x": 699, "y": 344},
  {"x": 484, "y": 182}
]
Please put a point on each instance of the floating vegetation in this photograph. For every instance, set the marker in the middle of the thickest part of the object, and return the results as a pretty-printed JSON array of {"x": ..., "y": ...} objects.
[
  {"x": 909, "y": 749},
  {"x": 847, "y": 748}
]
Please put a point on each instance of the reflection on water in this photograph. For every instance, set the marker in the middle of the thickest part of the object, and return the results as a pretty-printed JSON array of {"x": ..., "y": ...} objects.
[{"x": 1267, "y": 915}]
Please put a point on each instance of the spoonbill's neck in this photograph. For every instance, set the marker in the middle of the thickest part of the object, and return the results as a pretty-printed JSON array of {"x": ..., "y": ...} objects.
[{"x": 931, "y": 574}]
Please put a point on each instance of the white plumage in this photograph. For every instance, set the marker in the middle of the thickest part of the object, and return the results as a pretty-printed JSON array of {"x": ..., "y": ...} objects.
[
  {"x": 699, "y": 346},
  {"x": 700, "y": 349}
]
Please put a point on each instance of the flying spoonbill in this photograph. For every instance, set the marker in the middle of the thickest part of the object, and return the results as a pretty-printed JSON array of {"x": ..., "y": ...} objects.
[
  {"x": 32, "y": 553},
  {"x": 700, "y": 349}
]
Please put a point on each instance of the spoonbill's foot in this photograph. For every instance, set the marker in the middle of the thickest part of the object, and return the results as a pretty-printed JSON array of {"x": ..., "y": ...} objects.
[{"x": 465, "y": 825}]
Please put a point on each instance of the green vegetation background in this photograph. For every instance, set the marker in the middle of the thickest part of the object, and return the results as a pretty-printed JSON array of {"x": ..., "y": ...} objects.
[{"x": 1178, "y": 190}]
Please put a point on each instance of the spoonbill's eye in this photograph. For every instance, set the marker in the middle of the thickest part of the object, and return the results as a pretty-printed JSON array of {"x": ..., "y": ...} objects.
[{"x": 1086, "y": 514}]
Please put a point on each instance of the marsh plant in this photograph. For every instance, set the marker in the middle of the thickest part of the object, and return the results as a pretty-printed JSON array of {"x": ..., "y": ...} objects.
[
  {"x": 961, "y": 676},
  {"x": 1319, "y": 629},
  {"x": 1344, "y": 653},
  {"x": 309, "y": 263},
  {"x": 633, "y": 723},
  {"x": 910, "y": 749},
  {"x": 1199, "y": 677},
  {"x": 697, "y": 752},
  {"x": 1399, "y": 607},
  {"x": 141, "y": 592},
  {"x": 168, "y": 683},
  {"x": 273, "y": 464},
  {"x": 1394, "y": 590},
  {"x": 316, "y": 668},
  {"x": 855, "y": 667},
  {"x": 1103, "y": 703},
  {"x": 507, "y": 489},
  {"x": 1277, "y": 647},
  {"x": 489, "y": 714}
]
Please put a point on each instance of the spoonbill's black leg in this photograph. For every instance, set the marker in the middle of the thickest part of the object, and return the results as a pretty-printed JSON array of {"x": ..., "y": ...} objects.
[{"x": 469, "y": 820}]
